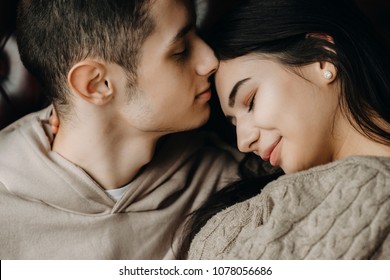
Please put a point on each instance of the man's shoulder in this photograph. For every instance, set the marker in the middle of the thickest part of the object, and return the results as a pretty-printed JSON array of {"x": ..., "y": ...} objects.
[
  {"x": 20, "y": 138},
  {"x": 43, "y": 114}
]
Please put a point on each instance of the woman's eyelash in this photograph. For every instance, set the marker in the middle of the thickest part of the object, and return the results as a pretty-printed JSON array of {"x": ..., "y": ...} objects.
[{"x": 252, "y": 103}]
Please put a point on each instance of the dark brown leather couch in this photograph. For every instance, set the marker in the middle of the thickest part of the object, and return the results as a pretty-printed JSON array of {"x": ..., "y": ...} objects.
[{"x": 20, "y": 93}]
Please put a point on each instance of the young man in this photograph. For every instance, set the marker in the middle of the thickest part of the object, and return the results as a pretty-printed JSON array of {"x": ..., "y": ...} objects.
[{"x": 121, "y": 75}]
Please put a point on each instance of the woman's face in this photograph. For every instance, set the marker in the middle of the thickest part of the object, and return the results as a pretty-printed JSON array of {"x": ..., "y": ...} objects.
[{"x": 283, "y": 117}]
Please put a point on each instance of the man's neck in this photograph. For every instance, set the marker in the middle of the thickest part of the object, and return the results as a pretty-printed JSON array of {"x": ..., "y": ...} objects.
[{"x": 112, "y": 158}]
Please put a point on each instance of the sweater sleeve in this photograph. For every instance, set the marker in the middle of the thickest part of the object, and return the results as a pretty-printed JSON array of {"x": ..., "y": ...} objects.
[
  {"x": 383, "y": 252},
  {"x": 219, "y": 235},
  {"x": 336, "y": 211}
]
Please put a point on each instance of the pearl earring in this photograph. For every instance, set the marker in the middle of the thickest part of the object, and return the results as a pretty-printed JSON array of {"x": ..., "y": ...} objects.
[{"x": 328, "y": 75}]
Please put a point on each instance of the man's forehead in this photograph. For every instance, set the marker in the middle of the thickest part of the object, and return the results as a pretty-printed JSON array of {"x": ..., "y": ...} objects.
[
  {"x": 172, "y": 19},
  {"x": 188, "y": 5}
]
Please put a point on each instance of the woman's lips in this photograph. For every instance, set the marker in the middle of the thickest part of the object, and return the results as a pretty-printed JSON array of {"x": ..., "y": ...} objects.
[
  {"x": 272, "y": 153},
  {"x": 275, "y": 154}
]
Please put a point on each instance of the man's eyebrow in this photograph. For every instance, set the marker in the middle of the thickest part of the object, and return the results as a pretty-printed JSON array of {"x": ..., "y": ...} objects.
[
  {"x": 183, "y": 32},
  {"x": 233, "y": 93}
]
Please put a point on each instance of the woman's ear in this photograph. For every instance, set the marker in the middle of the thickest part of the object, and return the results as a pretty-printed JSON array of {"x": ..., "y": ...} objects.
[
  {"x": 322, "y": 36},
  {"x": 88, "y": 80},
  {"x": 321, "y": 73},
  {"x": 327, "y": 72}
]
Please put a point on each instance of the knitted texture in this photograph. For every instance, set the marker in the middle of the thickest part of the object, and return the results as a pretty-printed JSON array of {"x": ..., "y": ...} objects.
[{"x": 336, "y": 211}]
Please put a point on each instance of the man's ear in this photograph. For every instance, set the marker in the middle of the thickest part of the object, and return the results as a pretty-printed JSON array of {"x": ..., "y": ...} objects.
[{"x": 88, "y": 80}]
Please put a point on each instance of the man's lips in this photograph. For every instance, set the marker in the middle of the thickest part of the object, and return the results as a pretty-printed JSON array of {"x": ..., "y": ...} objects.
[{"x": 204, "y": 95}]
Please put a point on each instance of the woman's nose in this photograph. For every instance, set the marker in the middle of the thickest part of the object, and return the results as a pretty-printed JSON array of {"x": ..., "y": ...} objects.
[{"x": 247, "y": 137}]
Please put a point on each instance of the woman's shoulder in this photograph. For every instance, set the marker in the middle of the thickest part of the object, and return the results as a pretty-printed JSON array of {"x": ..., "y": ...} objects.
[
  {"x": 323, "y": 213},
  {"x": 289, "y": 199},
  {"x": 356, "y": 171},
  {"x": 358, "y": 168}
]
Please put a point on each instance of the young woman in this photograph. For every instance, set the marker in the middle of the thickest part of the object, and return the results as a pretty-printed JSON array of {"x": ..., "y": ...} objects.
[{"x": 306, "y": 83}]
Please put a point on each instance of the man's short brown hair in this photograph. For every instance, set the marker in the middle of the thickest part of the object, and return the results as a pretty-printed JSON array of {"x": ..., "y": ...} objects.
[{"x": 53, "y": 35}]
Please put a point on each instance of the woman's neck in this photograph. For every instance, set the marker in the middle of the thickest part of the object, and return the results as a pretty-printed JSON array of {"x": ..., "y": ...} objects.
[{"x": 350, "y": 142}]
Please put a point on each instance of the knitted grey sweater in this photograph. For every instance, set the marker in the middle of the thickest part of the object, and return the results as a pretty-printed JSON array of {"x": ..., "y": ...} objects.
[{"x": 340, "y": 210}]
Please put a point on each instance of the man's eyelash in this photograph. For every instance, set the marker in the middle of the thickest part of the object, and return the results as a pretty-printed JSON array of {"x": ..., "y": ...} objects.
[{"x": 182, "y": 54}]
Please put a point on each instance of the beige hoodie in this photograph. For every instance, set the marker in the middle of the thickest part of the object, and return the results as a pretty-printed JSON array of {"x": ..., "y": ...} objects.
[{"x": 51, "y": 209}]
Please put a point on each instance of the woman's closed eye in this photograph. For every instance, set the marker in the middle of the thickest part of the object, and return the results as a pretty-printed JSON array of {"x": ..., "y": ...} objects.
[{"x": 251, "y": 101}]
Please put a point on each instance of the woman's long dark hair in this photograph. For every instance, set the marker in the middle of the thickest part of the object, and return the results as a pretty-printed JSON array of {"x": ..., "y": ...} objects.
[
  {"x": 283, "y": 29},
  {"x": 294, "y": 33}
]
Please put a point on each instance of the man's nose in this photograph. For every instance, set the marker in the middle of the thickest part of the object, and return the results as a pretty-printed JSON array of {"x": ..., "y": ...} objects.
[{"x": 207, "y": 63}]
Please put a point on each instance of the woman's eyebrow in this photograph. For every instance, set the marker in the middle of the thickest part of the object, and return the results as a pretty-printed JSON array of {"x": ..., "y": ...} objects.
[{"x": 233, "y": 93}]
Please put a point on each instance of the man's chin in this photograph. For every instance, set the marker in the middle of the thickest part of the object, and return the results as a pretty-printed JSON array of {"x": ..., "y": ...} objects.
[
  {"x": 204, "y": 120},
  {"x": 197, "y": 124}
]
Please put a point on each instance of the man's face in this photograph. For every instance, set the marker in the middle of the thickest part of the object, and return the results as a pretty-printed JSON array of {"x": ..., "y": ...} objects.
[{"x": 173, "y": 86}]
